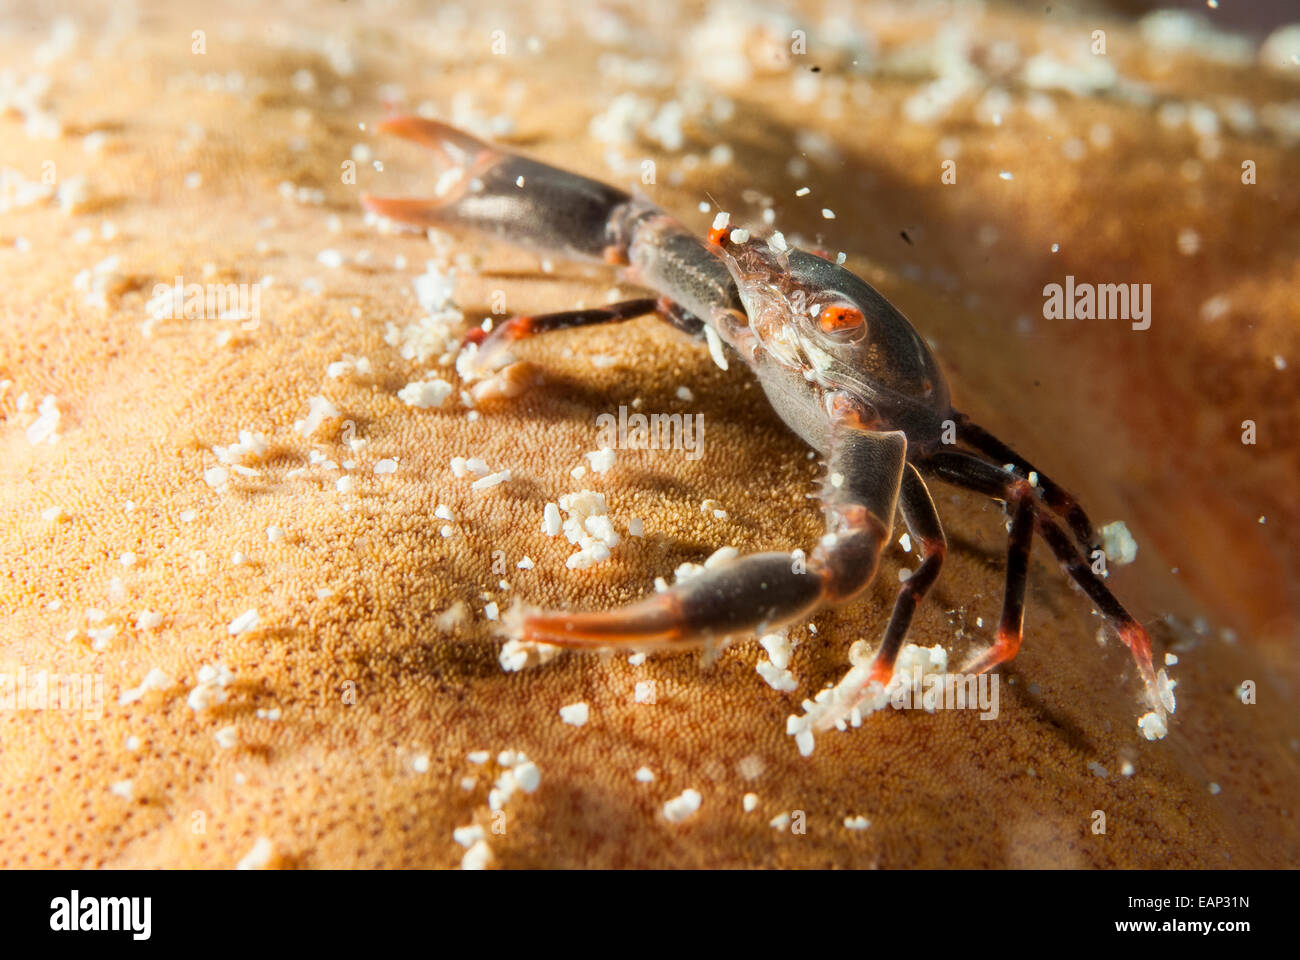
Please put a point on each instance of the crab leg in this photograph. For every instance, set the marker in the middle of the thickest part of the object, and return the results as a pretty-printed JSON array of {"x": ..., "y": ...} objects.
[
  {"x": 493, "y": 346},
  {"x": 967, "y": 470},
  {"x": 1020, "y": 541},
  {"x": 923, "y": 523},
  {"x": 1061, "y": 501},
  {"x": 763, "y": 591}
]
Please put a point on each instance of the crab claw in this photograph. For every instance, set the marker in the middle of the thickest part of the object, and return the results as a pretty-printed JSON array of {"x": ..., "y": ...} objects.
[{"x": 462, "y": 156}]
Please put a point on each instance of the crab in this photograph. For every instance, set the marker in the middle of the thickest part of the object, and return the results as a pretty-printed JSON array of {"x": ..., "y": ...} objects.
[{"x": 840, "y": 365}]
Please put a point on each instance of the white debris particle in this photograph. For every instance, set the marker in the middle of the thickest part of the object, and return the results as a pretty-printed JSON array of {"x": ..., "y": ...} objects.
[
  {"x": 275, "y": 534},
  {"x": 491, "y": 611},
  {"x": 420, "y": 763},
  {"x": 1280, "y": 52},
  {"x": 100, "y": 636},
  {"x": 713, "y": 507},
  {"x": 319, "y": 410},
  {"x": 127, "y": 559},
  {"x": 468, "y": 836},
  {"x": 721, "y": 221},
  {"x": 330, "y": 258},
  {"x": 601, "y": 460},
  {"x": 1153, "y": 726},
  {"x": 349, "y": 364},
  {"x": 575, "y": 714},
  {"x": 477, "y": 857},
  {"x": 635, "y": 527},
  {"x": 780, "y": 821},
  {"x": 425, "y": 393},
  {"x": 461, "y": 467},
  {"x": 587, "y": 525},
  {"x": 778, "y": 648},
  {"x": 269, "y": 713},
  {"x": 518, "y": 655},
  {"x": 155, "y": 679},
  {"x": 249, "y": 446},
  {"x": 777, "y": 678},
  {"x": 525, "y": 564},
  {"x": 1189, "y": 242},
  {"x": 684, "y": 393},
  {"x": 386, "y": 466},
  {"x": 739, "y": 235},
  {"x": 1171, "y": 659},
  {"x": 715, "y": 347},
  {"x": 527, "y": 777},
  {"x": 491, "y": 480},
  {"x": 856, "y": 823},
  {"x": 854, "y": 697},
  {"x": 643, "y": 692},
  {"x": 645, "y": 775},
  {"x": 74, "y": 195},
  {"x": 148, "y": 620},
  {"x": 258, "y": 858},
  {"x": 682, "y": 807},
  {"x": 828, "y": 214},
  {"x": 749, "y": 802},
  {"x": 478, "y": 756},
  {"x": 453, "y": 616},
  {"x": 1118, "y": 543},
  {"x": 1165, "y": 690},
  {"x": 1126, "y": 768},
  {"x": 210, "y": 690},
  {"x": 244, "y": 622},
  {"x": 1215, "y": 789},
  {"x": 803, "y": 192},
  {"x": 227, "y": 737},
  {"x": 636, "y": 659},
  {"x": 124, "y": 789},
  {"x": 46, "y": 423}
]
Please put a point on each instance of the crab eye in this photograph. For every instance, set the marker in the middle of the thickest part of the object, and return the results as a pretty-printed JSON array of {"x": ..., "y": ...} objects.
[{"x": 840, "y": 319}]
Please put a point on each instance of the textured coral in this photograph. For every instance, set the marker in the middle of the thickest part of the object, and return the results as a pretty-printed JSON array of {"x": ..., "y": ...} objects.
[{"x": 381, "y": 701}]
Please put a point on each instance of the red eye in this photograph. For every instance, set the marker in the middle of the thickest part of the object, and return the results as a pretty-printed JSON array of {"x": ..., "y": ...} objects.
[{"x": 838, "y": 319}]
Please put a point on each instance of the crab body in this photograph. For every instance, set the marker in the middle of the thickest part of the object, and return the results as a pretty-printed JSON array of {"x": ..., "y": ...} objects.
[{"x": 839, "y": 364}]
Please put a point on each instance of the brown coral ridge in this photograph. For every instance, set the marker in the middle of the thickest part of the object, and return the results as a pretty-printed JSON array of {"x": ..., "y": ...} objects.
[{"x": 381, "y": 698}]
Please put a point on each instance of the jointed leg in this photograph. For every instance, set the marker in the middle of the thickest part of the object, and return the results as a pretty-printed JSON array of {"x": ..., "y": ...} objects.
[
  {"x": 967, "y": 470},
  {"x": 923, "y": 524},
  {"x": 1058, "y": 499},
  {"x": 492, "y": 345},
  {"x": 1012, "y": 623}
]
